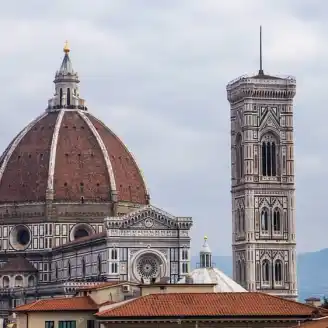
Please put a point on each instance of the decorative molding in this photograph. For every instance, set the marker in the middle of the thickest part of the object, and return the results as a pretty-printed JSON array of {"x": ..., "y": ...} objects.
[
  {"x": 141, "y": 233},
  {"x": 138, "y": 217},
  {"x": 53, "y": 153},
  {"x": 103, "y": 149}
]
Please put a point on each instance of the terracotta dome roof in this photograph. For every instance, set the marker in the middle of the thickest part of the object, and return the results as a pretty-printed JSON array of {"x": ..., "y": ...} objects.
[{"x": 67, "y": 154}]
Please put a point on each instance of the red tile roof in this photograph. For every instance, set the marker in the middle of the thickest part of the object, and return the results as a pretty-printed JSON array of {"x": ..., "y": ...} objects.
[
  {"x": 18, "y": 264},
  {"x": 84, "y": 303},
  {"x": 208, "y": 304},
  {"x": 80, "y": 167}
]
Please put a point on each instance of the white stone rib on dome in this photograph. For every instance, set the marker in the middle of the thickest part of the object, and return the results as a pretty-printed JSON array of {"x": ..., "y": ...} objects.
[{"x": 213, "y": 275}]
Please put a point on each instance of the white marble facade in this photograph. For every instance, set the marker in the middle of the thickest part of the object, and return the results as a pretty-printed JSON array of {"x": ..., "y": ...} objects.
[{"x": 140, "y": 246}]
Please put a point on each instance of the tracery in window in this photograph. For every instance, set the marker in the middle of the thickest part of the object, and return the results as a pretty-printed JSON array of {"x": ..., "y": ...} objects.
[
  {"x": 276, "y": 220},
  {"x": 266, "y": 271},
  {"x": 278, "y": 271},
  {"x": 265, "y": 220},
  {"x": 269, "y": 156}
]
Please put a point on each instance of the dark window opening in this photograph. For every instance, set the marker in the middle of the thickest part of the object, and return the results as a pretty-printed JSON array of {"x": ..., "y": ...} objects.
[
  {"x": 61, "y": 97},
  {"x": 278, "y": 271},
  {"x": 276, "y": 220},
  {"x": 66, "y": 324},
  {"x": 265, "y": 220},
  {"x": 83, "y": 268},
  {"x": 69, "y": 270},
  {"x": 269, "y": 159},
  {"x": 266, "y": 271},
  {"x": 68, "y": 96},
  {"x": 99, "y": 265},
  {"x": 49, "y": 324},
  {"x": 23, "y": 236},
  {"x": 79, "y": 233},
  {"x": 91, "y": 324}
]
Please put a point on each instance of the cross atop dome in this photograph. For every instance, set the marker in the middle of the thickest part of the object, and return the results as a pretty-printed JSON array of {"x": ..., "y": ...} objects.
[
  {"x": 66, "y": 68},
  {"x": 66, "y": 86}
]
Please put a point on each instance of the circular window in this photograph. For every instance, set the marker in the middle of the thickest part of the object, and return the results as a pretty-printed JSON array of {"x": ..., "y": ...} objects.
[
  {"x": 20, "y": 237},
  {"x": 148, "y": 266},
  {"x": 23, "y": 237}
]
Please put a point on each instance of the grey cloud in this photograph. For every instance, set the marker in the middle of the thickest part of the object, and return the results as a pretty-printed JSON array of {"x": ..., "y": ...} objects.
[{"x": 156, "y": 72}]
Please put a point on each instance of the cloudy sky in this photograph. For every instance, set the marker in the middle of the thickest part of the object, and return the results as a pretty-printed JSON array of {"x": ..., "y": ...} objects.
[{"x": 155, "y": 71}]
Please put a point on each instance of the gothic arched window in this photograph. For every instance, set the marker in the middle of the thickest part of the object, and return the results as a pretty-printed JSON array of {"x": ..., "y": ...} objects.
[
  {"x": 265, "y": 220},
  {"x": 278, "y": 271},
  {"x": 239, "y": 157},
  {"x": 269, "y": 156},
  {"x": 276, "y": 220},
  {"x": 266, "y": 271}
]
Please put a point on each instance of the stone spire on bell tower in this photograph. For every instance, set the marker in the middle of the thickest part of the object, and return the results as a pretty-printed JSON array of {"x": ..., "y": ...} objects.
[
  {"x": 66, "y": 86},
  {"x": 262, "y": 182}
]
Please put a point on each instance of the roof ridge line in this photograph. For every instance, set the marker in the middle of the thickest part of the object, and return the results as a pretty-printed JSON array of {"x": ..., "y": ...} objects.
[
  {"x": 53, "y": 153},
  {"x": 122, "y": 303},
  {"x": 16, "y": 142},
  {"x": 128, "y": 151},
  {"x": 289, "y": 300},
  {"x": 103, "y": 150}
]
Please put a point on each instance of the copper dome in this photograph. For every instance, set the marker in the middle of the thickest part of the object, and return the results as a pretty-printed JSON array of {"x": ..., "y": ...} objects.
[{"x": 67, "y": 154}]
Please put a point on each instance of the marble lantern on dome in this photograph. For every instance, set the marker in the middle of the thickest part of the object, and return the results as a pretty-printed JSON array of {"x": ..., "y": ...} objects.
[
  {"x": 74, "y": 207},
  {"x": 206, "y": 273}
]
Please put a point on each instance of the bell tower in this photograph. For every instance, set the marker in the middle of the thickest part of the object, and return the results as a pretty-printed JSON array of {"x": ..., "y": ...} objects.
[{"x": 262, "y": 183}]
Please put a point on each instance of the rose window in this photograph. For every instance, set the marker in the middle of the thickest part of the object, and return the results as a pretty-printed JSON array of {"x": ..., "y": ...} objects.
[{"x": 148, "y": 267}]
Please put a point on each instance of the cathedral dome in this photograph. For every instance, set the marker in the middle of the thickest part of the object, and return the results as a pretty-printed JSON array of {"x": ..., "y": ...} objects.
[
  {"x": 208, "y": 274},
  {"x": 68, "y": 155}
]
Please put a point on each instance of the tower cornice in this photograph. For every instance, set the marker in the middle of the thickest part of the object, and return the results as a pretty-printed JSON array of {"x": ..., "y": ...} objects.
[{"x": 261, "y": 87}]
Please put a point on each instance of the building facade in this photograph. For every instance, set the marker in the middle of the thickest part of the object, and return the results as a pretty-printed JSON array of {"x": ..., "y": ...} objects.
[
  {"x": 75, "y": 209},
  {"x": 262, "y": 180}
]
